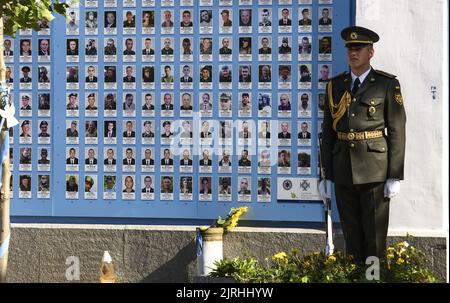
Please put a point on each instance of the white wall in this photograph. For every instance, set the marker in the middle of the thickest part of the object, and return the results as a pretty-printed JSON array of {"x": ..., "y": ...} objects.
[{"x": 411, "y": 47}]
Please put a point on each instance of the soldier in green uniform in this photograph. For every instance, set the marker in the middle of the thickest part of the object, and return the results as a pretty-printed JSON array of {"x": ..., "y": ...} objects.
[{"x": 363, "y": 146}]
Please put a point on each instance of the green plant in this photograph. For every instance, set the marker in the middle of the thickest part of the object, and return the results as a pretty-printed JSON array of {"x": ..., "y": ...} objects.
[
  {"x": 26, "y": 14},
  {"x": 243, "y": 270},
  {"x": 405, "y": 263}
]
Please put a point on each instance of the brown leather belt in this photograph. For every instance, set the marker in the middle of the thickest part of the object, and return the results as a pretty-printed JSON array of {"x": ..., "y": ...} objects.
[{"x": 355, "y": 136}]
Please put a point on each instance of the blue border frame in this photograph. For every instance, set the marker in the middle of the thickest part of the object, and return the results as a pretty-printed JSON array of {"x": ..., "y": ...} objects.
[{"x": 85, "y": 211}]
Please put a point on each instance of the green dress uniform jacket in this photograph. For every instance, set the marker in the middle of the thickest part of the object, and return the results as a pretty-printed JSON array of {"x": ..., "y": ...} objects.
[{"x": 377, "y": 105}]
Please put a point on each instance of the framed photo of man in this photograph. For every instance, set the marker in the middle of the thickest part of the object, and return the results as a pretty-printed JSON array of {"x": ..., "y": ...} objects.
[
  {"x": 226, "y": 49},
  {"x": 110, "y": 49},
  {"x": 226, "y": 21},
  {"x": 305, "y": 22},
  {"x": 129, "y": 160},
  {"x": 44, "y": 52},
  {"x": 284, "y": 20},
  {"x": 110, "y": 104},
  {"x": 304, "y": 162},
  {"x": 186, "y": 23},
  {"x": 205, "y": 188},
  {"x": 304, "y": 105},
  {"x": 265, "y": 20},
  {"x": 245, "y": 187},
  {"x": 284, "y": 161},
  {"x": 205, "y": 162},
  {"x": 109, "y": 187},
  {"x": 129, "y": 187},
  {"x": 91, "y": 22},
  {"x": 304, "y": 48},
  {"x": 186, "y": 51},
  {"x": 148, "y": 106},
  {"x": 147, "y": 188},
  {"x": 90, "y": 187},
  {"x": 325, "y": 19},
  {"x": 148, "y": 51},
  {"x": 129, "y": 50},
  {"x": 264, "y": 189},
  {"x": 148, "y": 159},
  {"x": 110, "y": 22},
  {"x": 91, "y": 158},
  {"x": 148, "y": 132},
  {"x": 148, "y": 77},
  {"x": 129, "y": 22},
  {"x": 43, "y": 187},
  {"x": 186, "y": 162},
  {"x": 25, "y": 80},
  {"x": 325, "y": 48},
  {"x": 110, "y": 159},
  {"x": 225, "y": 189},
  {"x": 304, "y": 133}
]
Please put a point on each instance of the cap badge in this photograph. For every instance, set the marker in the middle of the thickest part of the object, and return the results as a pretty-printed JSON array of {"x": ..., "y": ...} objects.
[{"x": 353, "y": 36}]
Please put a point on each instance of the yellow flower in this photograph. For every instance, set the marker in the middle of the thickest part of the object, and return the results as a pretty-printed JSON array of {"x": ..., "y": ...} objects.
[
  {"x": 390, "y": 256},
  {"x": 400, "y": 261},
  {"x": 281, "y": 257},
  {"x": 330, "y": 259}
]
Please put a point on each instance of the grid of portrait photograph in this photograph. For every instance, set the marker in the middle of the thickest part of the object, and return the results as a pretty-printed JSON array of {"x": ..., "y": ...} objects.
[
  {"x": 175, "y": 100},
  {"x": 28, "y": 74}
]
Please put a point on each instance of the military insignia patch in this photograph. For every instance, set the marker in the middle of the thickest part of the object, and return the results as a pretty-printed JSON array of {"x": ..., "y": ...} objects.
[
  {"x": 398, "y": 95},
  {"x": 305, "y": 184},
  {"x": 287, "y": 184},
  {"x": 399, "y": 98}
]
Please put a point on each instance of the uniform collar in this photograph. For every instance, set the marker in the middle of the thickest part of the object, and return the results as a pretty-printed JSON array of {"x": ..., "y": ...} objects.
[{"x": 362, "y": 77}]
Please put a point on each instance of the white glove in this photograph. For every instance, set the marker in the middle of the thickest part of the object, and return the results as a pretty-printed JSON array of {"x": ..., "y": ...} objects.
[
  {"x": 391, "y": 188},
  {"x": 325, "y": 189}
]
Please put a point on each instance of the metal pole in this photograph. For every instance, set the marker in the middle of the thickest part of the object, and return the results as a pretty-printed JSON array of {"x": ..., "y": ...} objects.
[{"x": 329, "y": 246}]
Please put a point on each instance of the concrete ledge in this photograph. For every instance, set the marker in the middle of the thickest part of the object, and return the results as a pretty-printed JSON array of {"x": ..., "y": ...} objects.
[
  {"x": 392, "y": 232},
  {"x": 39, "y": 252}
]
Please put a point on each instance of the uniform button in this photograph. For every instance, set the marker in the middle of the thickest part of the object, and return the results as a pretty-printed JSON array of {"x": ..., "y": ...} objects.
[
  {"x": 354, "y": 100},
  {"x": 352, "y": 115},
  {"x": 352, "y": 145},
  {"x": 383, "y": 148},
  {"x": 372, "y": 102},
  {"x": 351, "y": 130}
]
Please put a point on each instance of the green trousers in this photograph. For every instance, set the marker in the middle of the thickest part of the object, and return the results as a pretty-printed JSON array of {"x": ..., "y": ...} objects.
[{"x": 364, "y": 215}]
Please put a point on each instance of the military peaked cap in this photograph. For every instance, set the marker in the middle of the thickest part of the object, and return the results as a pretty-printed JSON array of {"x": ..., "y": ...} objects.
[{"x": 358, "y": 35}]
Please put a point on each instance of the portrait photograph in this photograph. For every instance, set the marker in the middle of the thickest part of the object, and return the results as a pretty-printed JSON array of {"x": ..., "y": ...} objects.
[{"x": 91, "y": 23}]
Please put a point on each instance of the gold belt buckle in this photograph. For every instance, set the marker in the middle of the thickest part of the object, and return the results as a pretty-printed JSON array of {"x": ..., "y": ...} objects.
[
  {"x": 367, "y": 135},
  {"x": 351, "y": 136}
]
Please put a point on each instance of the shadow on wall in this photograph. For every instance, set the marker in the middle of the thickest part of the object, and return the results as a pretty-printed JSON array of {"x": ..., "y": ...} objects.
[{"x": 176, "y": 270}]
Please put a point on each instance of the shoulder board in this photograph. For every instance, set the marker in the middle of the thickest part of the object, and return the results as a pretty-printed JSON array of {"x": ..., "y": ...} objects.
[
  {"x": 380, "y": 72},
  {"x": 338, "y": 76}
]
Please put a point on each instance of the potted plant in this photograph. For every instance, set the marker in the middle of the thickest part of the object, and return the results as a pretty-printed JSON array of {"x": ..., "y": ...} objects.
[{"x": 209, "y": 240}]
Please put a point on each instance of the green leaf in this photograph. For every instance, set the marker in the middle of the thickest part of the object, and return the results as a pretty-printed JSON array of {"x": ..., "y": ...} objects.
[{"x": 220, "y": 221}]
